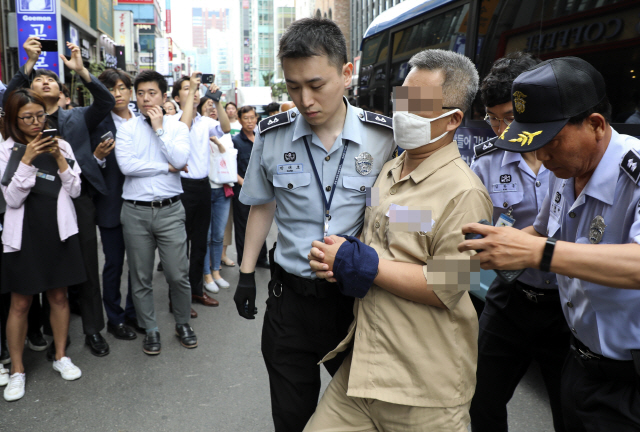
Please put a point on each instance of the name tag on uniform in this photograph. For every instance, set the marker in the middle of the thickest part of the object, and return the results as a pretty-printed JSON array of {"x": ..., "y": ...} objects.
[
  {"x": 505, "y": 221},
  {"x": 505, "y": 187},
  {"x": 45, "y": 176},
  {"x": 289, "y": 168},
  {"x": 556, "y": 210}
]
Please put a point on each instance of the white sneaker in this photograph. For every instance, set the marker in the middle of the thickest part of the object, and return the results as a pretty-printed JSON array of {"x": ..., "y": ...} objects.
[
  {"x": 67, "y": 369},
  {"x": 222, "y": 283},
  {"x": 15, "y": 389},
  {"x": 211, "y": 287},
  {"x": 4, "y": 376}
]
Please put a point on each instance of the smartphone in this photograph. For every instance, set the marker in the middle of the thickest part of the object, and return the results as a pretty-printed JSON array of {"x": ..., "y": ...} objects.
[
  {"x": 215, "y": 96},
  {"x": 49, "y": 44},
  {"x": 108, "y": 135},
  {"x": 49, "y": 133},
  {"x": 208, "y": 78}
]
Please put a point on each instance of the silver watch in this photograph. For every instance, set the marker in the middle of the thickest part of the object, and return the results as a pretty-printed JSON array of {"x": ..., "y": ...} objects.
[{"x": 160, "y": 132}]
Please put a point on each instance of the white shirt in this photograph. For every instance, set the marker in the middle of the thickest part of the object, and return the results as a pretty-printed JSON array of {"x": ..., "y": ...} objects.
[
  {"x": 144, "y": 158},
  {"x": 202, "y": 129}
]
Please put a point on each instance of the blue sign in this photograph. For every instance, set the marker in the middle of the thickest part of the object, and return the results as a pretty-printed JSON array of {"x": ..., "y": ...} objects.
[{"x": 38, "y": 18}]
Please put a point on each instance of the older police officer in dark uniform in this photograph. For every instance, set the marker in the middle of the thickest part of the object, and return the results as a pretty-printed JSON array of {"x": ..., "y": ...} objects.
[
  {"x": 587, "y": 232},
  {"x": 522, "y": 321},
  {"x": 316, "y": 162}
]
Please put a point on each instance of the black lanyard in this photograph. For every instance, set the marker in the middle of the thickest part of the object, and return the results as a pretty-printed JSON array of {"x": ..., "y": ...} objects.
[{"x": 327, "y": 204}]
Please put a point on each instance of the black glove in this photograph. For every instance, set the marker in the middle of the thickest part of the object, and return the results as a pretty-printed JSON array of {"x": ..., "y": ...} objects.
[{"x": 245, "y": 296}]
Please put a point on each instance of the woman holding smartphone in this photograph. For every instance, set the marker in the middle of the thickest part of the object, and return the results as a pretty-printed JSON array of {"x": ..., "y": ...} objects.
[{"x": 41, "y": 250}]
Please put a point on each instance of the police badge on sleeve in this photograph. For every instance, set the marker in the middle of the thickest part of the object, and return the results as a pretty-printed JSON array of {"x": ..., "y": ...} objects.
[{"x": 364, "y": 163}]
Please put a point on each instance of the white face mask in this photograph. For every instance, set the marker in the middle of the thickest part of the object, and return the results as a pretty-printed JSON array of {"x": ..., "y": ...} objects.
[{"x": 410, "y": 131}]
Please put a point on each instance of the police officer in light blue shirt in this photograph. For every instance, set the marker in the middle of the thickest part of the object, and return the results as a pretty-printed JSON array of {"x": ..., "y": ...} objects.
[
  {"x": 521, "y": 321},
  {"x": 317, "y": 162},
  {"x": 588, "y": 232}
]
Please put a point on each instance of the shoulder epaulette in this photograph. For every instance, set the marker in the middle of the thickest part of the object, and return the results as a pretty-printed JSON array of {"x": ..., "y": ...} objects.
[
  {"x": 379, "y": 119},
  {"x": 277, "y": 120},
  {"x": 631, "y": 165},
  {"x": 485, "y": 147}
]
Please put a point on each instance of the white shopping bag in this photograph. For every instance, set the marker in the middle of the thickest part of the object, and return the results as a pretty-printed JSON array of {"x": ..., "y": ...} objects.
[{"x": 224, "y": 167}]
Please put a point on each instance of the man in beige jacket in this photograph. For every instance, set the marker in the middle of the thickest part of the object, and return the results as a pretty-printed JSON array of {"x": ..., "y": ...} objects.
[{"x": 414, "y": 336}]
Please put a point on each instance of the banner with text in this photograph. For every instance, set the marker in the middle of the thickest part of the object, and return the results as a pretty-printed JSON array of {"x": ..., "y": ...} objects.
[{"x": 40, "y": 18}]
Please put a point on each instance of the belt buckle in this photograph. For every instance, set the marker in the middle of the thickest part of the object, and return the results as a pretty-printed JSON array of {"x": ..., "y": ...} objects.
[
  {"x": 531, "y": 296},
  {"x": 586, "y": 355}
]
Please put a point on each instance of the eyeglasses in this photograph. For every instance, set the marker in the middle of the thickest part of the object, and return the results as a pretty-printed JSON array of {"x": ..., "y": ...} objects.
[
  {"x": 29, "y": 120},
  {"x": 494, "y": 121}
]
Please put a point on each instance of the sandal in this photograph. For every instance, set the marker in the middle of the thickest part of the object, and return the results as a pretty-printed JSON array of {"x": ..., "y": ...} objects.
[{"x": 227, "y": 262}]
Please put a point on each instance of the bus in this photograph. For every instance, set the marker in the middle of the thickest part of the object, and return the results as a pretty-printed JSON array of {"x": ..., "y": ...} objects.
[{"x": 605, "y": 33}]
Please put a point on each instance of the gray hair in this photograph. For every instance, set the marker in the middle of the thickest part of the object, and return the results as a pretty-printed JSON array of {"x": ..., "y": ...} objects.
[{"x": 460, "y": 75}]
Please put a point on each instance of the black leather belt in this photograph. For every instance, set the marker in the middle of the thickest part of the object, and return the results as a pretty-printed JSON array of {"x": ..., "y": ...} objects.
[
  {"x": 191, "y": 180},
  {"x": 155, "y": 204},
  {"x": 300, "y": 285},
  {"x": 602, "y": 366},
  {"x": 538, "y": 295}
]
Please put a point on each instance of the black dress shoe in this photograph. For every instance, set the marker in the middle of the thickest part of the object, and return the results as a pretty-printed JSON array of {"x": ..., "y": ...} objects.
[
  {"x": 151, "y": 345},
  {"x": 187, "y": 336},
  {"x": 263, "y": 264},
  {"x": 5, "y": 358},
  {"x": 36, "y": 341},
  {"x": 121, "y": 331},
  {"x": 99, "y": 346},
  {"x": 51, "y": 351},
  {"x": 134, "y": 325}
]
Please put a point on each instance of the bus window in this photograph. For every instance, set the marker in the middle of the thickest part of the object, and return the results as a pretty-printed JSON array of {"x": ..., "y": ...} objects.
[
  {"x": 606, "y": 33},
  {"x": 372, "y": 77}
]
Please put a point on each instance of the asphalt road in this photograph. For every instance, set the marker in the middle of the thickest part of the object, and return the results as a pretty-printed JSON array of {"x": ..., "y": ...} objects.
[{"x": 220, "y": 386}]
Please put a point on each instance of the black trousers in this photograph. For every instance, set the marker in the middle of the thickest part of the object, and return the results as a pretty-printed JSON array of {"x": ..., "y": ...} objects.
[
  {"x": 89, "y": 295},
  {"x": 593, "y": 403},
  {"x": 240, "y": 218},
  {"x": 196, "y": 200},
  {"x": 514, "y": 332},
  {"x": 297, "y": 333},
  {"x": 114, "y": 252}
]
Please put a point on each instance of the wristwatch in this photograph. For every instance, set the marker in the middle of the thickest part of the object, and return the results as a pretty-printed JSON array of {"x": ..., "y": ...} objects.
[{"x": 160, "y": 132}]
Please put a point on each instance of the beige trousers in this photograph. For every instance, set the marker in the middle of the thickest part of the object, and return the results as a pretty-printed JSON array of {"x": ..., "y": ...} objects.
[{"x": 337, "y": 412}]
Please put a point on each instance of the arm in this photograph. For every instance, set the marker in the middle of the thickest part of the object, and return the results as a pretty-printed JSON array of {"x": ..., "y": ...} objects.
[
  {"x": 258, "y": 225},
  {"x": 70, "y": 177},
  {"x": 103, "y": 101},
  {"x": 16, "y": 192},
  {"x": 225, "y": 124},
  {"x": 221, "y": 147},
  {"x": 176, "y": 145},
  {"x": 188, "y": 111},
  {"x": 21, "y": 79},
  {"x": 411, "y": 286},
  {"x": 129, "y": 162}
]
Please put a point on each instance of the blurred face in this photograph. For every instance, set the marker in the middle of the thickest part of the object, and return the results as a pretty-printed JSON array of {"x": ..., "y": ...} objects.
[
  {"x": 122, "y": 94},
  {"x": 232, "y": 112},
  {"x": 316, "y": 86},
  {"x": 214, "y": 112},
  {"x": 248, "y": 121},
  {"x": 31, "y": 119},
  {"x": 183, "y": 95},
  {"x": 206, "y": 108},
  {"x": 499, "y": 116},
  {"x": 170, "y": 108},
  {"x": 45, "y": 86},
  {"x": 63, "y": 101},
  {"x": 149, "y": 95}
]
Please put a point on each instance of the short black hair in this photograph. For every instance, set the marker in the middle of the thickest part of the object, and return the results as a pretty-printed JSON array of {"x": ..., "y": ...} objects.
[
  {"x": 110, "y": 76},
  {"x": 231, "y": 103},
  {"x": 245, "y": 109},
  {"x": 151, "y": 76},
  {"x": 273, "y": 106},
  {"x": 64, "y": 89},
  {"x": 604, "y": 108},
  {"x": 177, "y": 86},
  {"x": 496, "y": 86},
  {"x": 50, "y": 74},
  {"x": 309, "y": 37}
]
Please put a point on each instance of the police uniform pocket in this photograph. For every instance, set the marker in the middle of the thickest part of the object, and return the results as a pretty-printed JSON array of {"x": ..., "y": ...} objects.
[
  {"x": 358, "y": 183},
  {"x": 291, "y": 181},
  {"x": 505, "y": 200}
]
